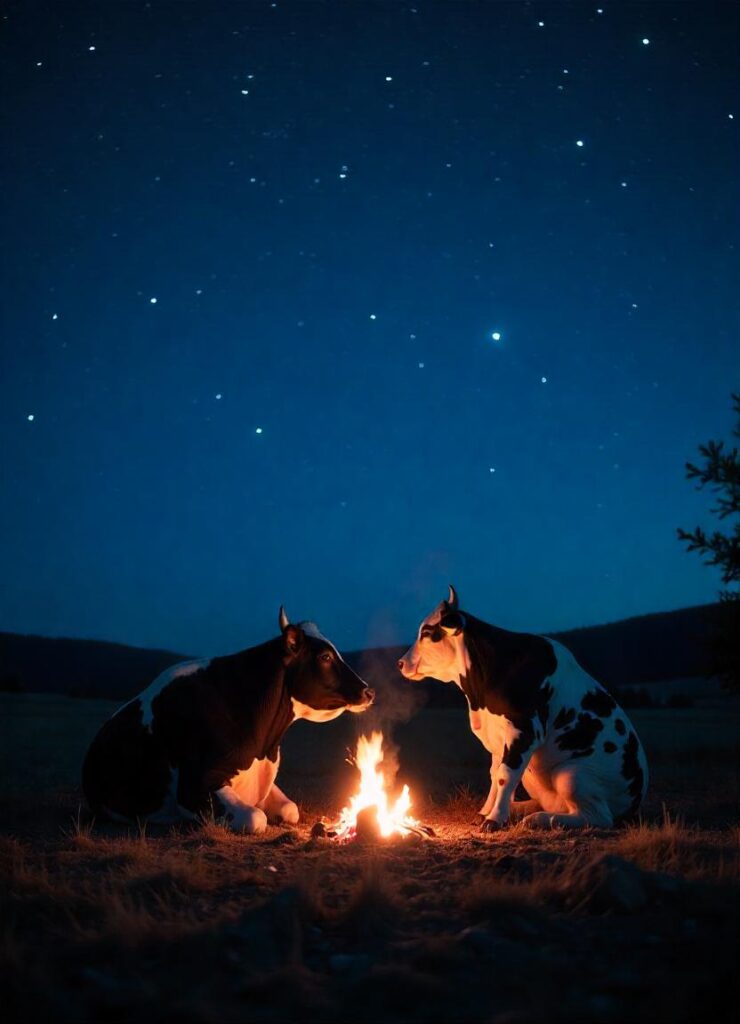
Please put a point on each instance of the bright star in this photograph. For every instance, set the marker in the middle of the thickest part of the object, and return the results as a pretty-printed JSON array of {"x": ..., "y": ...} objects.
[
  {"x": 30, "y": 417},
  {"x": 543, "y": 380},
  {"x": 646, "y": 42},
  {"x": 579, "y": 142},
  {"x": 388, "y": 78},
  {"x": 373, "y": 316},
  {"x": 541, "y": 24},
  {"x": 496, "y": 336},
  {"x": 491, "y": 469},
  {"x": 54, "y": 316},
  {"x": 153, "y": 301},
  {"x": 258, "y": 430},
  {"x": 219, "y": 396}
]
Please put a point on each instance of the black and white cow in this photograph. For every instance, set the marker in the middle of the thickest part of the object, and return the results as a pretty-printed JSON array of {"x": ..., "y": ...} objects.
[
  {"x": 545, "y": 721},
  {"x": 206, "y": 734}
]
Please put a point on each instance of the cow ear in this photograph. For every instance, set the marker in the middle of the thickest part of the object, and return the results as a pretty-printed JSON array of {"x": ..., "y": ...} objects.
[
  {"x": 293, "y": 640},
  {"x": 453, "y": 623}
]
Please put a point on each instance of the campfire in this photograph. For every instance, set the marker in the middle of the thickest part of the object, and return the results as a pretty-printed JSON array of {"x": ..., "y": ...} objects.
[{"x": 371, "y": 813}]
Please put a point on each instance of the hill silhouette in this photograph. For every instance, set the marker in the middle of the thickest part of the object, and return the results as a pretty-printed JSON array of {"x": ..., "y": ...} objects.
[{"x": 631, "y": 652}]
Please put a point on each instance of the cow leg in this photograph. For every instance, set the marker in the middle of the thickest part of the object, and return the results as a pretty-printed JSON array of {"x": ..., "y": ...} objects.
[
  {"x": 238, "y": 816},
  {"x": 545, "y": 820},
  {"x": 488, "y": 805},
  {"x": 519, "y": 739},
  {"x": 522, "y": 808},
  {"x": 278, "y": 805},
  {"x": 582, "y": 799}
]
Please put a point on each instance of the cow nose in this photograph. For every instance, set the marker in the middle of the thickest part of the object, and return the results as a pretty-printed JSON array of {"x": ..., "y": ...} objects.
[
  {"x": 369, "y": 695},
  {"x": 401, "y": 664}
]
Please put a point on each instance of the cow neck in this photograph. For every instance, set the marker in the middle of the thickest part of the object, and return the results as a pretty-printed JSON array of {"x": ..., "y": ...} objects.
[
  {"x": 254, "y": 686},
  {"x": 504, "y": 667}
]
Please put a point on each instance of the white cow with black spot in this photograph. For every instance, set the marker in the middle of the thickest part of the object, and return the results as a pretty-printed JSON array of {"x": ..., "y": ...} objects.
[{"x": 545, "y": 721}]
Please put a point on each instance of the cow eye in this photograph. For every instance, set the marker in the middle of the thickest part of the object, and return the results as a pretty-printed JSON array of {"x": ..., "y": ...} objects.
[{"x": 325, "y": 657}]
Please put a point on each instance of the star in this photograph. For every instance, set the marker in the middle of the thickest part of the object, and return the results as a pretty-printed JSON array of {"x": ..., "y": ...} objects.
[
  {"x": 153, "y": 301},
  {"x": 258, "y": 430},
  {"x": 646, "y": 42},
  {"x": 30, "y": 417},
  {"x": 543, "y": 380},
  {"x": 491, "y": 469},
  {"x": 579, "y": 143},
  {"x": 421, "y": 366},
  {"x": 496, "y": 336},
  {"x": 219, "y": 396},
  {"x": 373, "y": 316},
  {"x": 54, "y": 316}
]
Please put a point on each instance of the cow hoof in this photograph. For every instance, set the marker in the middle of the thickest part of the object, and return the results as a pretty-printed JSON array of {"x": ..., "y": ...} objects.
[
  {"x": 492, "y": 826},
  {"x": 246, "y": 819}
]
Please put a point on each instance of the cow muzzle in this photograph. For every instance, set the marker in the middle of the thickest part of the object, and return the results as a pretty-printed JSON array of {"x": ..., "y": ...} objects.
[
  {"x": 366, "y": 699},
  {"x": 409, "y": 669}
]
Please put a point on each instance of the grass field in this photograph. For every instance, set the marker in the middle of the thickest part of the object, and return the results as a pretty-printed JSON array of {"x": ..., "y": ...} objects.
[{"x": 100, "y": 922}]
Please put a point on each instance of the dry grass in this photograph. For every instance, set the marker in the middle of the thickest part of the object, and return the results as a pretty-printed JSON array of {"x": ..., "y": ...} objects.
[{"x": 103, "y": 922}]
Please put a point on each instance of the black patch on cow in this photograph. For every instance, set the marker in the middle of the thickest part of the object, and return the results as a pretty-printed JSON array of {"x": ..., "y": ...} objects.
[
  {"x": 514, "y": 755},
  {"x": 610, "y": 747},
  {"x": 125, "y": 769},
  {"x": 599, "y": 702},
  {"x": 633, "y": 774},
  {"x": 620, "y": 726},
  {"x": 509, "y": 673},
  {"x": 582, "y": 735},
  {"x": 564, "y": 717}
]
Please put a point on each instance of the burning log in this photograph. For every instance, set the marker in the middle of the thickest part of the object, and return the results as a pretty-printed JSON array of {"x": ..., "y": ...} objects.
[{"x": 370, "y": 816}]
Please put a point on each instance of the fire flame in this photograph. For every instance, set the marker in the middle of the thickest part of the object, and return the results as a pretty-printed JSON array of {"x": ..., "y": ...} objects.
[{"x": 392, "y": 818}]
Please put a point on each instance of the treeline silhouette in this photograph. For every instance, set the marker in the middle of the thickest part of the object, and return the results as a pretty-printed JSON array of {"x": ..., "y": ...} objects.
[{"x": 622, "y": 655}]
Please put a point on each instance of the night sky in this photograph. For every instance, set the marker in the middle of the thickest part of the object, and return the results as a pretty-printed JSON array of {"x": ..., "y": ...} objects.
[{"x": 333, "y": 303}]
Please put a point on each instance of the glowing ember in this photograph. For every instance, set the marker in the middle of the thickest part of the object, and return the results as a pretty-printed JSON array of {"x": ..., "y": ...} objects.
[{"x": 372, "y": 803}]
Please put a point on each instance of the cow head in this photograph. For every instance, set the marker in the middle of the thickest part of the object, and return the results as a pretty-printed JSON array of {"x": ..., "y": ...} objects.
[
  {"x": 439, "y": 650},
  {"x": 320, "y": 683}
]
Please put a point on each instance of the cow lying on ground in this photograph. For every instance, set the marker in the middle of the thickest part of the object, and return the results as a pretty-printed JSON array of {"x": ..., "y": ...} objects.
[
  {"x": 545, "y": 721},
  {"x": 206, "y": 734}
]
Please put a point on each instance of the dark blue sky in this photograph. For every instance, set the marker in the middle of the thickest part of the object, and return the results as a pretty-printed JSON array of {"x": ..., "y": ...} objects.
[{"x": 335, "y": 205}]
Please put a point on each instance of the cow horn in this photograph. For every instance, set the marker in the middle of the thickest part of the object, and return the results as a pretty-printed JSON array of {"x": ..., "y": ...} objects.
[
  {"x": 452, "y": 599},
  {"x": 284, "y": 620}
]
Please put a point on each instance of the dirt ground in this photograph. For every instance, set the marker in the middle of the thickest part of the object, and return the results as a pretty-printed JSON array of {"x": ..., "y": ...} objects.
[{"x": 104, "y": 923}]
